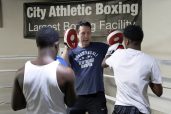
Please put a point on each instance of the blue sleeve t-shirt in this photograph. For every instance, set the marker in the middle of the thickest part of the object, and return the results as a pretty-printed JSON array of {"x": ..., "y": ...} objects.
[
  {"x": 61, "y": 60},
  {"x": 86, "y": 63}
]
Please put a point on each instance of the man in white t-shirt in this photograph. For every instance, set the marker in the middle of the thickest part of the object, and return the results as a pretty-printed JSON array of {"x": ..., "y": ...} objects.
[{"x": 133, "y": 72}]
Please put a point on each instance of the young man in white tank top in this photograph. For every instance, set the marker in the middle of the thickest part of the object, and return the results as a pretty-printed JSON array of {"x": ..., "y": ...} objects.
[{"x": 43, "y": 86}]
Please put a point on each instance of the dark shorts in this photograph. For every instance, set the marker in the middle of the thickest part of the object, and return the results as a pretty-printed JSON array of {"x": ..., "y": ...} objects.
[
  {"x": 118, "y": 109},
  {"x": 93, "y": 104}
]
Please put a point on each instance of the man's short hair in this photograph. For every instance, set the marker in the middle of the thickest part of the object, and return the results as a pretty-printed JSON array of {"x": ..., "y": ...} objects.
[
  {"x": 83, "y": 23},
  {"x": 46, "y": 37},
  {"x": 134, "y": 33}
]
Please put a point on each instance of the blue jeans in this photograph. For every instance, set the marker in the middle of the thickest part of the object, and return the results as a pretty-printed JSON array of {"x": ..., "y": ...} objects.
[{"x": 118, "y": 109}]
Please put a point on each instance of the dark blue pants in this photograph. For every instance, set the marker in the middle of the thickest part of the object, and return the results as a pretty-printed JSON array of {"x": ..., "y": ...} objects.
[
  {"x": 118, "y": 109},
  {"x": 93, "y": 104}
]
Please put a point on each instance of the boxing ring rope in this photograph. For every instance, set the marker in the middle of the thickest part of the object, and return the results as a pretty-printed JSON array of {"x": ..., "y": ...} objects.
[
  {"x": 112, "y": 77},
  {"x": 17, "y": 57},
  {"x": 9, "y": 85},
  {"x": 108, "y": 97},
  {"x": 105, "y": 75}
]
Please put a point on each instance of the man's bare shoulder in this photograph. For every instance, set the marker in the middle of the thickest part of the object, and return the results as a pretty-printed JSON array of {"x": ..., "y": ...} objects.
[{"x": 66, "y": 73}]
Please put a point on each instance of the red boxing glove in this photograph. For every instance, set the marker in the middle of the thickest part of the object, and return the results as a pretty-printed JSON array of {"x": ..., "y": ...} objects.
[
  {"x": 115, "y": 37},
  {"x": 120, "y": 46},
  {"x": 113, "y": 48},
  {"x": 70, "y": 38}
]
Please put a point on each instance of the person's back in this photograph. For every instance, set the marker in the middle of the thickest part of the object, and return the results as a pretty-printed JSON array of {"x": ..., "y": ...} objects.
[
  {"x": 44, "y": 86},
  {"x": 41, "y": 89},
  {"x": 133, "y": 72}
]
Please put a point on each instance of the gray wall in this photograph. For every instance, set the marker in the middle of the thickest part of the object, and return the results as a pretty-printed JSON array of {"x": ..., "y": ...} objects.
[{"x": 156, "y": 25}]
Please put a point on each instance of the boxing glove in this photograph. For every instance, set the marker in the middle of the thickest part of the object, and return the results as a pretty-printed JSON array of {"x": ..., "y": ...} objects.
[
  {"x": 113, "y": 48},
  {"x": 115, "y": 37},
  {"x": 70, "y": 38}
]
